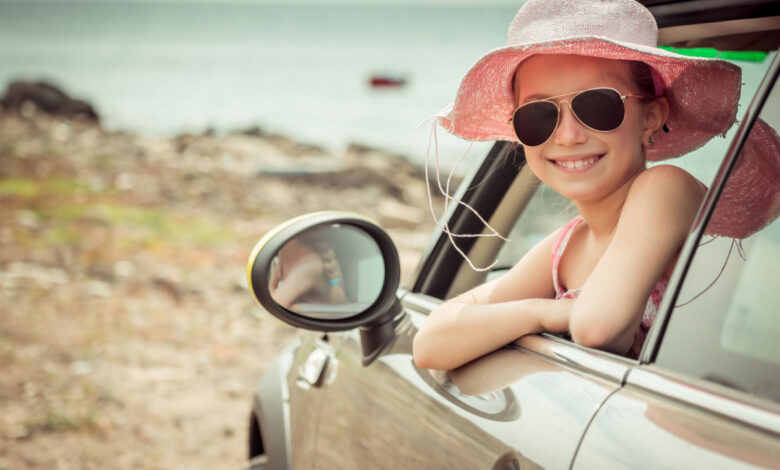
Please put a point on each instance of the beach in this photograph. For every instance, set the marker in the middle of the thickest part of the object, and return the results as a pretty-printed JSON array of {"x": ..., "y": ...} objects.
[{"x": 128, "y": 336}]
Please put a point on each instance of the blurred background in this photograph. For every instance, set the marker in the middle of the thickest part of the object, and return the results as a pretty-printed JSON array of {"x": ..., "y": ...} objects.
[
  {"x": 301, "y": 68},
  {"x": 145, "y": 146}
]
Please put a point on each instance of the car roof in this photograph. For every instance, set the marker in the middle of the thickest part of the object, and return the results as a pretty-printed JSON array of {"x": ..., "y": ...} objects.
[{"x": 722, "y": 24}]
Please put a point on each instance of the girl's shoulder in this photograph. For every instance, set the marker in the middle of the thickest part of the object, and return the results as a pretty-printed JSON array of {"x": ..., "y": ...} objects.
[
  {"x": 662, "y": 196},
  {"x": 663, "y": 186},
  {"x": 662, "y": 178}
]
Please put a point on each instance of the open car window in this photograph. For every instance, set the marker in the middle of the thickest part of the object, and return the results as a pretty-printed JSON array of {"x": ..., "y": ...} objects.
[
  {"x": 546, "y": 212},
  {"x": 725, "y": 326}
]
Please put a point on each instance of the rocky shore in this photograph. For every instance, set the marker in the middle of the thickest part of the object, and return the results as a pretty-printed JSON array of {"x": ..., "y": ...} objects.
[{"x": 128, "y": 338}]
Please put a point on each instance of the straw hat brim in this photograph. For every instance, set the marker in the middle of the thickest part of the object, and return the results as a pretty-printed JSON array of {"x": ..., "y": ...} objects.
[
  {"x": 750, "y": 199},
  {"x": 703, "y": 93}
]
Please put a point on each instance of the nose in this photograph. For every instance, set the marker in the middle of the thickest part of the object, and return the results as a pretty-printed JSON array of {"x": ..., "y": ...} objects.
[{"x": 570, "y": 130}]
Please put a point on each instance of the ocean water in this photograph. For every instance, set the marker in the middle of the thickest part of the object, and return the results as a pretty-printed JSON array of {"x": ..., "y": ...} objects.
[
  {"x": 301, "y": 69},
  {"x": 297, "y": 69}
]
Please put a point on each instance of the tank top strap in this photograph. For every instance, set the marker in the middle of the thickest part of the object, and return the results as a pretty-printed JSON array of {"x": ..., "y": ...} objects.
[{"x": 559, "y": 246}]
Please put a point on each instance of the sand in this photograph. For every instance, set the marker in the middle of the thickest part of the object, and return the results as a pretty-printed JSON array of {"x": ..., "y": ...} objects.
[{"x": 128, "y": 338}]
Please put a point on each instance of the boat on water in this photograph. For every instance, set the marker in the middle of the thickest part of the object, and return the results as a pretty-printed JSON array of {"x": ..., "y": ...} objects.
[{"x": 386, "y": 81}]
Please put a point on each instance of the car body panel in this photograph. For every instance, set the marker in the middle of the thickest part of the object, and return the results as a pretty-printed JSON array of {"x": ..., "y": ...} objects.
[
  {"x": 638, "y": 429},
  {"x": 271, "y": 408},
  {"x": 494, "y": 412}
]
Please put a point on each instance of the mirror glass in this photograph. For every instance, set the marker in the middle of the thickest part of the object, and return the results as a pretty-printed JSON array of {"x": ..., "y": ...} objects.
[{"x": 328, "y": 272}]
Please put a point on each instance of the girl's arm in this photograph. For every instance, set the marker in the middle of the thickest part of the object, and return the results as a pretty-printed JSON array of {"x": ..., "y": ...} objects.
[
  {"x": 654, "y": 222},
  {"x": 304, "y": 274},
  {"x": 493, "y": 314}
]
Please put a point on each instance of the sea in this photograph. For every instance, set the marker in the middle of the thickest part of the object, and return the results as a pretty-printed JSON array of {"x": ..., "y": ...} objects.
[{"x": 299, "y": 68}]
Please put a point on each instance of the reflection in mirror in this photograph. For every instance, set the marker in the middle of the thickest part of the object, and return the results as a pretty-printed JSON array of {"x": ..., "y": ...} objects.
[{"x": 328, "y": 272}]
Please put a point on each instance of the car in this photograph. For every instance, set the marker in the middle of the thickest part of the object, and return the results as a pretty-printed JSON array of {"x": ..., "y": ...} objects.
[{"x": 703, "y": 393}]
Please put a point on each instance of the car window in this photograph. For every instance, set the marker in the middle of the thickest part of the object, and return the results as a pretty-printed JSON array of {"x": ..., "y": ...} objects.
[
  {"x": 547, "y": 211},
  {"x": 725, "y": 326}
]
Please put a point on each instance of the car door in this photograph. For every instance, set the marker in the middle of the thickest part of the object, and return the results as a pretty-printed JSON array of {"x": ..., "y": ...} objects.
[
  {"x": 707, "y": 392},
  {"x": 520, "y": 407}
]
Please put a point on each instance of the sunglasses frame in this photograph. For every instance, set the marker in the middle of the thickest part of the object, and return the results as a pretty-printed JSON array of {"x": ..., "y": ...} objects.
[{"x": 557, "y": 105}]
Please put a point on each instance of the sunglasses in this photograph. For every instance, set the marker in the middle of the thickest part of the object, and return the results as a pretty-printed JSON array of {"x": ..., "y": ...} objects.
[{"x": 598, "y": 109}]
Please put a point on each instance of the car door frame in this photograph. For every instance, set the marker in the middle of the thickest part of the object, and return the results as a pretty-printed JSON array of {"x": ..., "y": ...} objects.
[{"x": 487, "y": 185}]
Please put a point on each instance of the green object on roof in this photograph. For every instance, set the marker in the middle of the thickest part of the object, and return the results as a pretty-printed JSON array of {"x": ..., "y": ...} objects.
[{"x": 710, "y": 52}]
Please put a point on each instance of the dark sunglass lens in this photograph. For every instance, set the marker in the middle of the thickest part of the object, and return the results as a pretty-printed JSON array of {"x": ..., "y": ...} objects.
[
  {"x": 535, "y": 122},
  {"x": 600, "y": 109}
]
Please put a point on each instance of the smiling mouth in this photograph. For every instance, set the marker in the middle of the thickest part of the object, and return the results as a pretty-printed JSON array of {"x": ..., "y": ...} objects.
[{"x": 575, "y": 165}]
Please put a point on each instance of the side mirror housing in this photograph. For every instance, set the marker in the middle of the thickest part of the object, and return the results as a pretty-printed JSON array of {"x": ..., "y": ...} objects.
[{"x": 329, "y": 271}]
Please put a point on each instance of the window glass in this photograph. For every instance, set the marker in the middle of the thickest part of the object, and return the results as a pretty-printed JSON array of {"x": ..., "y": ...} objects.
[
  {"x": 725, "y": 326},
  {"x": 546, "y": 212}
]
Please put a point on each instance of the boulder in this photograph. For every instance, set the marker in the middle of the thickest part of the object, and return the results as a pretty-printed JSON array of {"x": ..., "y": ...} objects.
[{"x": 47, "y": 98}]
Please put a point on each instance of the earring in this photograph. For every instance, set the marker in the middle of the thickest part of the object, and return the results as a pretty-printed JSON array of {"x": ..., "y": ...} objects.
[{"x": 650, "y": 141}]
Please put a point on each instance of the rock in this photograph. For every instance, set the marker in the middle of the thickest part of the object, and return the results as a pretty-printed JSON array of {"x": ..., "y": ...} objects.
[
  {"x": 253, "y": 131},
  {"x": 287, "y": 145},
  {"x": 98, "y": 288},
  {"x": 357, "y": 177},
  {"x": 26, "y": 97},
  {"x": 395, "y": 214},
  {"x": 365, "y": 155}
]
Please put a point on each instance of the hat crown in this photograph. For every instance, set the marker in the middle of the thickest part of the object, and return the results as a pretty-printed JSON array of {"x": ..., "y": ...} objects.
[{"x": 540, "y": 21}]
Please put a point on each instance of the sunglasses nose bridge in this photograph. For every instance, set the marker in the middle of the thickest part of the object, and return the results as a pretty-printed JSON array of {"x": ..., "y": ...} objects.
[{"x": 564, "y": 132}]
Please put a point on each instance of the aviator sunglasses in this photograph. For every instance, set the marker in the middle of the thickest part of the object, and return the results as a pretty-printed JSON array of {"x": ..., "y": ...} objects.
[{"x": 598, "y": 109}]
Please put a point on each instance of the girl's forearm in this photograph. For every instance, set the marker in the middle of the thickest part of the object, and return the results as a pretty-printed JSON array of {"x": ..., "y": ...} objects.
[{"x": 456, "y": 333}]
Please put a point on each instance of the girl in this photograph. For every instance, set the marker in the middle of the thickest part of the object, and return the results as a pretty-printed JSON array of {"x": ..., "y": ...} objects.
[{"x": 583, "y": 88}]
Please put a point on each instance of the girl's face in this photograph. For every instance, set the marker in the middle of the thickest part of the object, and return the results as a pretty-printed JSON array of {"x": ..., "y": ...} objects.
[{"x": 605, "y": 161}]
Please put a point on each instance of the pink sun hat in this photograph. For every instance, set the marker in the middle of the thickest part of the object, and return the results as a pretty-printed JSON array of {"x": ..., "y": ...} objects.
[
  {"x": 702, "y": 92},
  {"x": 750, "y": 200}
]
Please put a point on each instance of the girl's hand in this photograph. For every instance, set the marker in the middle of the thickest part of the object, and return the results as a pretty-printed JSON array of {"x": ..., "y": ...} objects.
[
  {"x": 491, "y": 315},
  {"x": 555, "y": 318}
]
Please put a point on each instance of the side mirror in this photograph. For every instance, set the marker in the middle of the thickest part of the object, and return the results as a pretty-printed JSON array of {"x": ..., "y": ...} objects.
[{"x": 329, "y": 271}]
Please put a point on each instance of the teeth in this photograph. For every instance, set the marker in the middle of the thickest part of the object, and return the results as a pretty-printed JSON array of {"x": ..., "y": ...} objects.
[{"x": 577, "y": 163}]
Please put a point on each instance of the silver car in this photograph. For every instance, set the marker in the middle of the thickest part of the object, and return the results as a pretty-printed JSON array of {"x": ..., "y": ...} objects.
[{"x": 704, "y": 393}]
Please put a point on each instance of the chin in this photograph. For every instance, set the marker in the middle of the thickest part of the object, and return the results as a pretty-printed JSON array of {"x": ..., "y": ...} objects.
[
  {"x": 582, "y": 190},
  {"x": 582, "y": 195}
]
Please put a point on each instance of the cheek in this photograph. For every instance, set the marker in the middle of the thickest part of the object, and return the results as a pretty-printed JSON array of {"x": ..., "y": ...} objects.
[
  {"x": 634, "y": 124},
  {"x": 539, "y": 166},
  {"x": 534, "y": 159}
]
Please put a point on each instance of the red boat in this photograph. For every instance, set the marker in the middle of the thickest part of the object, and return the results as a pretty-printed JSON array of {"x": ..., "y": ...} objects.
[{"x": 381, "y": 81}]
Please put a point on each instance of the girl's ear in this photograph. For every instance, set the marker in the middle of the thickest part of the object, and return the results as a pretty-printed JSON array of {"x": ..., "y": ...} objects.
[{"x": 656, "y": 113}]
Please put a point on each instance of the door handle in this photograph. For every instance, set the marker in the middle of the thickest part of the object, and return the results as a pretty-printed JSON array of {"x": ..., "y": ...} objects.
[{"x": 313, "y": 369}]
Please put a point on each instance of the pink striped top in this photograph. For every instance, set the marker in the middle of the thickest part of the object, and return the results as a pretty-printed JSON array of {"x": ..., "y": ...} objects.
[{"x": 651, "y": 308}]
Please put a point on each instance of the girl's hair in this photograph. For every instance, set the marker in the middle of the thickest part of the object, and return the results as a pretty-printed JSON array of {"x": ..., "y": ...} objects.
[{"x": 642, "y": 75}]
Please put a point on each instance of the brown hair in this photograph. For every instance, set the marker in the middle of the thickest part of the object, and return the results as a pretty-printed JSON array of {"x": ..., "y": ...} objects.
[{"x": 642, "y": 75}]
